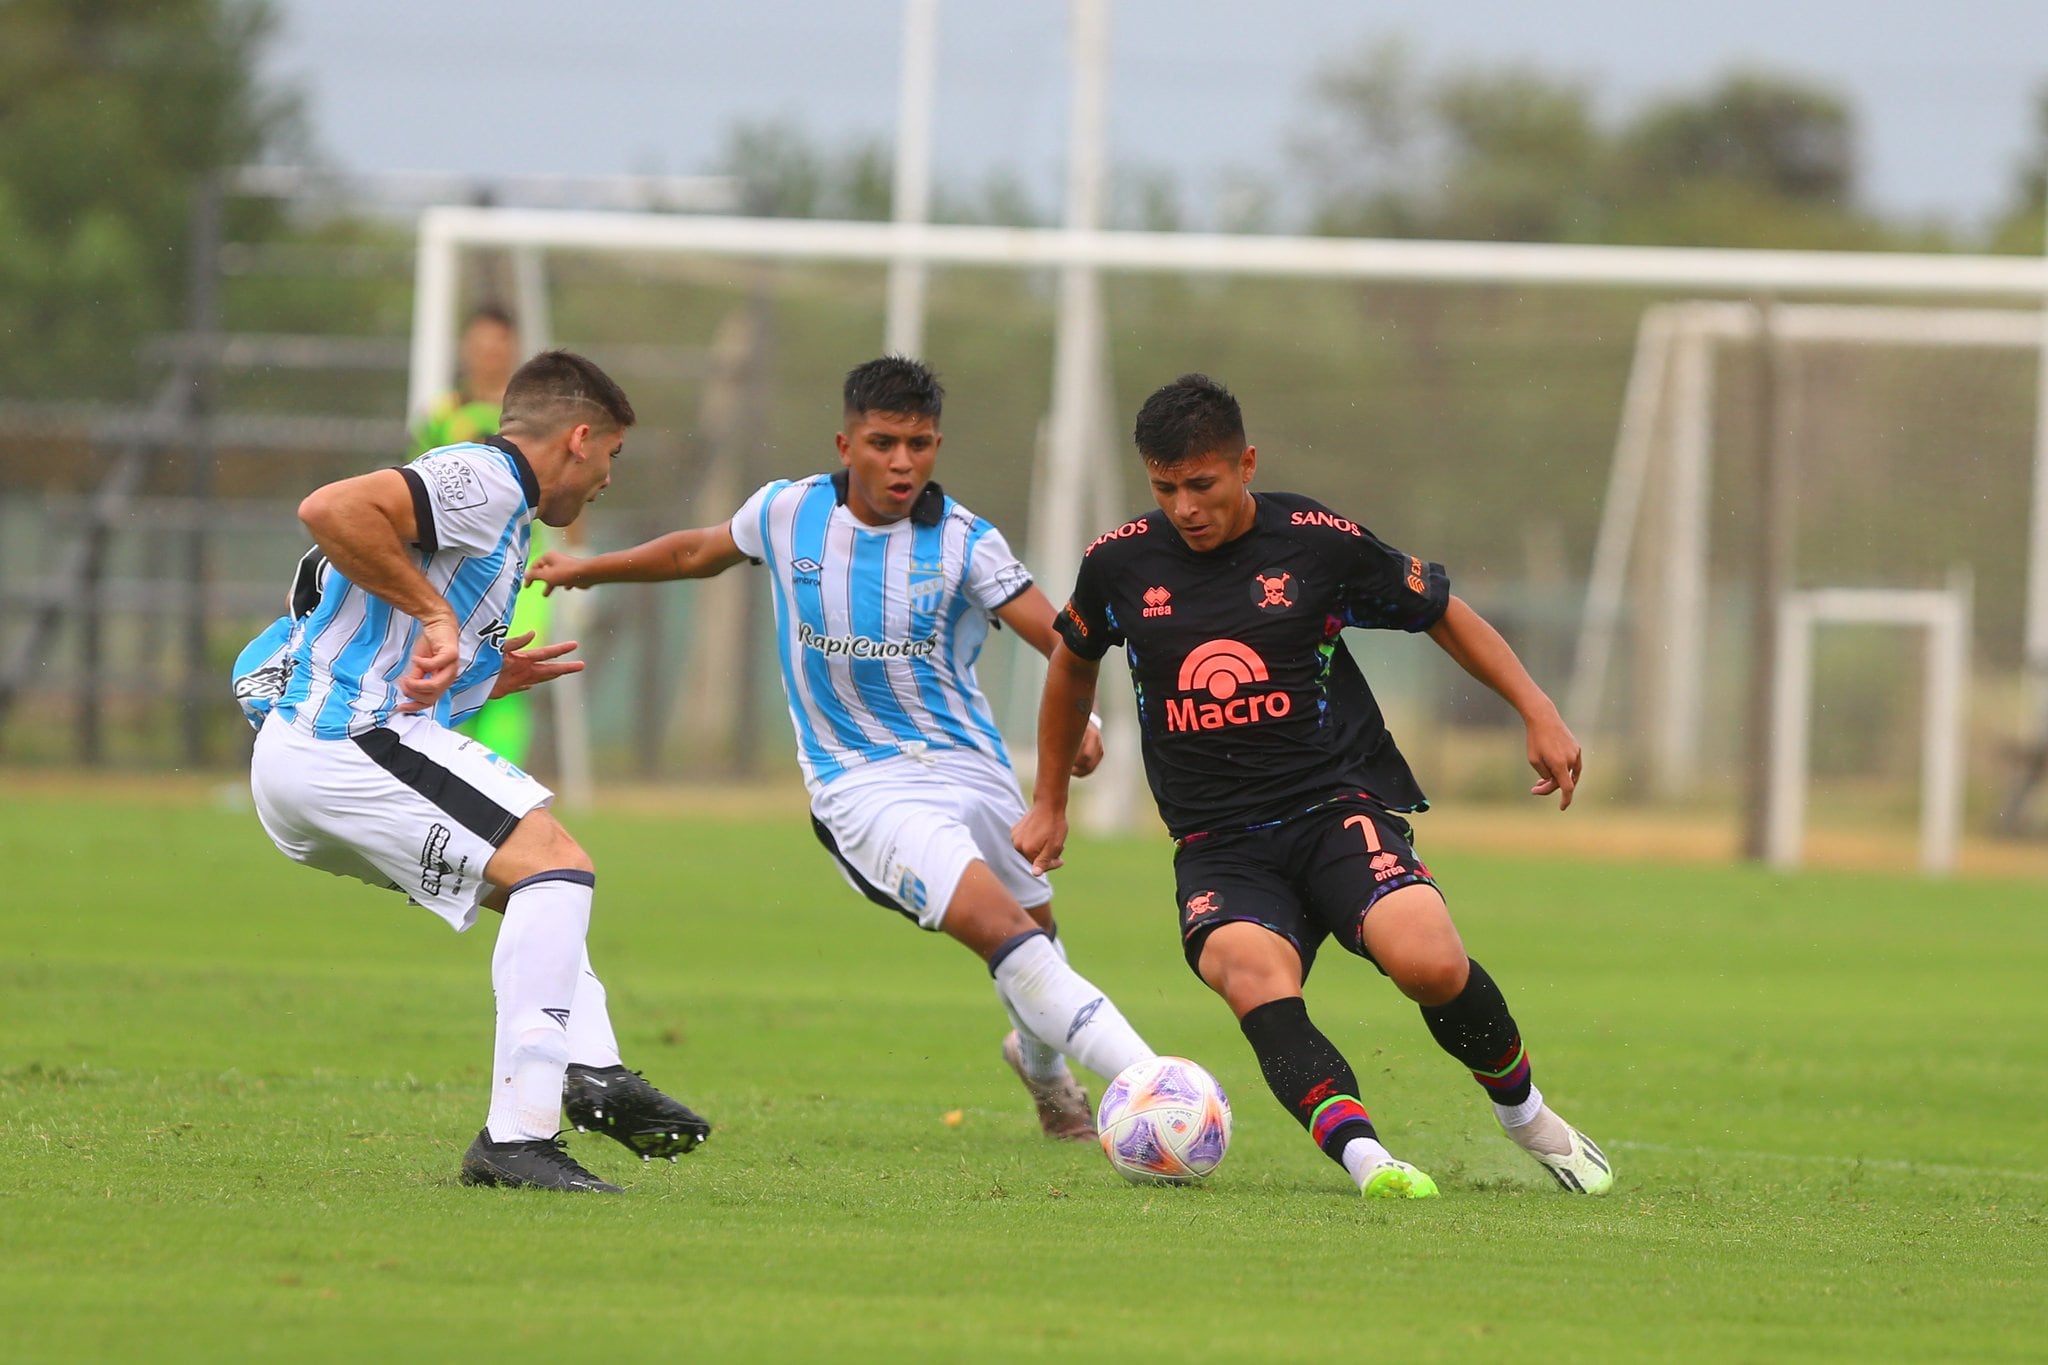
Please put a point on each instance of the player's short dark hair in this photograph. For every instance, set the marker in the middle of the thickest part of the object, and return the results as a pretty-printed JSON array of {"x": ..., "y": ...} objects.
[
  {"x": 894, "y": 383},
  {"x": 1192, "y": 417},
  {"x": 490, "y": 312},
  {"x": 557, "y": 389}
]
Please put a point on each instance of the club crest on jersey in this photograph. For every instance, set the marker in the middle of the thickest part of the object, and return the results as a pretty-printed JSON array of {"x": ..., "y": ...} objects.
[
  {"x": 1274, "y": 590},
  {"x": 1157, "y": 602},
  {"x": 1223, "y": 669}
]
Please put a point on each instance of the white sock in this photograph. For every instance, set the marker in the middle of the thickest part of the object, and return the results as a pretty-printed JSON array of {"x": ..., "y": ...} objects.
[
  {"x": 1040, "y": 1062},
  {"x": 534, "y": 970},
  {"x": 591, "y": 1040},
  {"x": 1059, "y": 1006},
  {"x": 1361, "y": 1155},
  {"x": 1515, "y": 1115}
]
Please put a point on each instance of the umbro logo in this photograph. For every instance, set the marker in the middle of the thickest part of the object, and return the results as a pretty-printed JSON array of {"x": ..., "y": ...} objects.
[
  {"x": 559, "y": 1016},
  {"x": 805, "y": 565},
  {"x": 1082, "y": 1016},
  {"x": 1156, "y": 602}
]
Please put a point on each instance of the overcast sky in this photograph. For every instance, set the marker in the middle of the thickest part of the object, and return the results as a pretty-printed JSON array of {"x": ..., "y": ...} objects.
[{"x": 1942, "y": 91}]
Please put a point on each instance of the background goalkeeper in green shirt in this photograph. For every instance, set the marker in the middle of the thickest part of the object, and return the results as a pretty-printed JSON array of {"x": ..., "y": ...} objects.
[{"x": 488, "y": 354}]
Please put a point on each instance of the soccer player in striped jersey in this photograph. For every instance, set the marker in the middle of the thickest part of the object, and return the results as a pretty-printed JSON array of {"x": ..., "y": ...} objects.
[
  {"x": 884, "y": 590},
  {"x": 397, "y": 630},
  {"x": 1276, "y": 775}
]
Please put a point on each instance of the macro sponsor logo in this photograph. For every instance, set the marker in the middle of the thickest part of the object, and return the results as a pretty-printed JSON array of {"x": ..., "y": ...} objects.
[
  {"x": 1273, "y": 590},
  {"x": 864, "y": 646},
  {"x": 1123, "y": 532},
  {"x": 1223, "y": 668},
  {"x": 1157, "y": 602},
  {"x": 1329, "y": 519},
  {"x": 1074, "y": 617}
]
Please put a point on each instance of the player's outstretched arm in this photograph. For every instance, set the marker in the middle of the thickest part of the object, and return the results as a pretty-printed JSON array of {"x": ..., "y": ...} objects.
[
  {"x": 704, "y": 552},
  {"x": 363, "y": 525},
  {"x": 1478, "y": 648},
  {"x": 1063, "y": 713},
  {"x": 1030, "y": 614}
]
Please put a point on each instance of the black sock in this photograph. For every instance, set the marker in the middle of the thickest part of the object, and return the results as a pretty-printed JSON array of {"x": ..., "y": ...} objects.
[
  {"x": 1477, "y": 1029},
  {"x": 1307, "y": 1074}
]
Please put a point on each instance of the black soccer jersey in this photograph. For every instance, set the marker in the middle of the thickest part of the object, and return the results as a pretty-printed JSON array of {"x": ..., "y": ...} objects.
[{"x": 1251, "y": 707}]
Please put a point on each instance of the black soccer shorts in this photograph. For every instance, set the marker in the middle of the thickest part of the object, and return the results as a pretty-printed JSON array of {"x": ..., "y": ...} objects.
[{"x": 1308, "y": 878}]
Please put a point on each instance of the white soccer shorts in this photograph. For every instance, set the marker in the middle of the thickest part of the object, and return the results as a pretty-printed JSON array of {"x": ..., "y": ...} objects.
[
  {"x": 413, "y": 807},
  {"x": 904, "y": 830}
]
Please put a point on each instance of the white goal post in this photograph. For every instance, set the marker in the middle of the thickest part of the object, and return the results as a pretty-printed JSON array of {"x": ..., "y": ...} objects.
[
  {"x": 1945, "y": 615},
  {"x": 1667, "y": 416},
  {"x": 1060, "y": 513}
]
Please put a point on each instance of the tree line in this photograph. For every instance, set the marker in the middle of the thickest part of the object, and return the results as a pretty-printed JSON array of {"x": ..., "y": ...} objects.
[{"x": 112, "y": 112}]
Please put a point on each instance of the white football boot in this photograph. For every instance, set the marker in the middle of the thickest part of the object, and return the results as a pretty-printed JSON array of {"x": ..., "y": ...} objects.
[{"x": 1571, "y": 1157}]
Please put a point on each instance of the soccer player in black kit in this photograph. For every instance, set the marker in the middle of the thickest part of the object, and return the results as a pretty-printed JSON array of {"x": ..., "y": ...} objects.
[{"x": 1276, "y": 776}]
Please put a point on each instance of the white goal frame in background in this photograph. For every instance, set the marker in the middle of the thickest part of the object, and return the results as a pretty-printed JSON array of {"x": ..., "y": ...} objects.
[
  {"x": 1061, "y": 512},
  {"x": 1668, "y": 422},
  {"x": 1945, "y": 614}
]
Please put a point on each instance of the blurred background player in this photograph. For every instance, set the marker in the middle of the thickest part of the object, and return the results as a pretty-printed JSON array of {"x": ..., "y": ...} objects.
[
  {"x": 487, "y": 354},
  {"x": 1277, "y": 778},
  {"x": 488, "y": 351},
  {"x": 396, "y": 629},
  {"x": 884, "y": 591}
]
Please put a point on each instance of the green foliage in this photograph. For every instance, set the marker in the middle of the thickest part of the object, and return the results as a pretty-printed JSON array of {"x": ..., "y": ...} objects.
[
  {"x": 784, "y": 173},
  {"x": 2020, "y": 227},
  {"x": 111, "y": 112},
  {"x": 236, "y": 1092},
  {"x": 1514, "y": 153}
]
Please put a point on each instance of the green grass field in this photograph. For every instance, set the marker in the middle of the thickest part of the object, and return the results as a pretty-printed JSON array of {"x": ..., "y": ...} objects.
[{"x": 233, "y": 1094}]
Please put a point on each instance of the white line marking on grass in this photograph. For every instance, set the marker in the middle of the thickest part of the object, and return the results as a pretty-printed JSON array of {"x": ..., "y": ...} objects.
[{"x": 1877, "y": 1163}]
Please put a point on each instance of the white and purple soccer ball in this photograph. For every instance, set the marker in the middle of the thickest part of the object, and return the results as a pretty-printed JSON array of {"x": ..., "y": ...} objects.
[{"x": 1164, "y": 1121}]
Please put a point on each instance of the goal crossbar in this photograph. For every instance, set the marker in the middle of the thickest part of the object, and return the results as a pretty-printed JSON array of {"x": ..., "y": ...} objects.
[{"x": 444, "y": 230}]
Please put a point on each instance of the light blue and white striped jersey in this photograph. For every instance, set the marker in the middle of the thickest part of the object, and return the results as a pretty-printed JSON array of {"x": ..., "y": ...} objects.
[
  {"x": 331, "y": 664},
  {"x": 878, "y": 627}
]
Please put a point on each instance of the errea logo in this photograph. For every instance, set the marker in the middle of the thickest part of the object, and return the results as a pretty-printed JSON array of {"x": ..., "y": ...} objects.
[{"x": 1157, "y": 602}]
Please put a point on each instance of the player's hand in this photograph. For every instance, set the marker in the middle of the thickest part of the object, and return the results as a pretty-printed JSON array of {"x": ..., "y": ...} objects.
[
  {"x": 1041, "y": 836},
  {"x": 526, "y": 668},
  {"x": 1556, "y": 757},
  {"x": 554, "y": 570},
  {"x": 431, "y": 670},
  {"x": 1090, "y": 757}
]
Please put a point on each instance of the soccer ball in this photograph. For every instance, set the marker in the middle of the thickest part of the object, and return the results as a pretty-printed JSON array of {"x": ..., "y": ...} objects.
[{"x": 1164, "y": 1121}]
